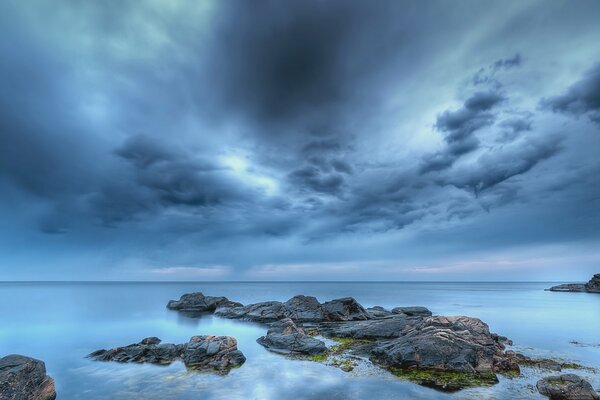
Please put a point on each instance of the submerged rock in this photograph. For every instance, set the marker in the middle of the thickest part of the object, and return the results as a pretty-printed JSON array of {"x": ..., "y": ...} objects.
[
  {"x": 216, "y": 352},
  {"x": 286, "y": 337},
  {"x": 24, "y": 378},
  {"x": 593, "y": 286},
  {"x": 566, "y": 387}
]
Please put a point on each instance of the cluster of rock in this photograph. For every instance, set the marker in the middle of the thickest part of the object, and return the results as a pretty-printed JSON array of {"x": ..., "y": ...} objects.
[
  {"x": 566, "y": 387},
  {"x": 593, "y": 286},
  {"x": 201, "y": 352},
  {"x": 402, "y": 339},
  {"x": 24, "y": 378}
]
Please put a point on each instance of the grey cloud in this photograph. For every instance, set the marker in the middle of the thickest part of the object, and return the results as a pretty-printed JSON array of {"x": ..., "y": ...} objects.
[{"x": 581, "y": 98}]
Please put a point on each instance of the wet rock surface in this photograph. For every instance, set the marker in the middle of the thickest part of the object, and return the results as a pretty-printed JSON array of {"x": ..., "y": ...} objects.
[
  {"x": 593, "y": 286},
  {"x": 566, "y": 387},
  {"x": 287, "y": 338},
  {"x": 201, "y": 352},
  {"x": 24, "y": 378}
]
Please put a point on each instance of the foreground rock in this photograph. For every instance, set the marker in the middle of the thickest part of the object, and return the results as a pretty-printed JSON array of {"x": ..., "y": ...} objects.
[
  {"x": 566, "y": 387},
  {"x": 24, "y": 378},
  {"x": 201, "y": 352},
  {"x": 593, "y": 286},
  {"x": 286, "y": 337}
]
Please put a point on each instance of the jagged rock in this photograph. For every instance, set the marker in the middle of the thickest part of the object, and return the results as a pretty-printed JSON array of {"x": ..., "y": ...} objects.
[
  {"x": 381, "y": 328},
  {"x": 413, "y": 311},
  {"x": 304, "y": 308},
  {"x": 217, "y": 352},
  {"x": 287, "y": 338},
  {"x": 593, "y": 286},
  {"x": 566, "y": 387},
  {"x": 460, "y": 345},
  {"x": 268, "y": 311},
  {"x": 24, "y": 378},
  {"x": 378, "y": 312},
  {"x": 197, "y": 303},
  {"x": 345, "y": 309}
]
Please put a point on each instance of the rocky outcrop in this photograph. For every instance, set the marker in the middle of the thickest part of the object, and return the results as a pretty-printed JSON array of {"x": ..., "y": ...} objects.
[
  {"x": 378, "y": 312},
  {"x": 197, "y": 303},
  {"x": 345, "y": 309},
  {"x": 381, "y": 328},
  {"x": 461, "y": 346},
  {"x": 593, "y": 286},
  {"x": 201, "y": 352},
  {"x": 287, "y": 338},
  {"x": 566, "y": 387},
  {"x": 24, "y": 378}
]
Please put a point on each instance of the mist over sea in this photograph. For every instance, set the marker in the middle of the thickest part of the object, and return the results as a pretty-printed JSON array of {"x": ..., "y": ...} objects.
[{"x": 61, "y": 323}]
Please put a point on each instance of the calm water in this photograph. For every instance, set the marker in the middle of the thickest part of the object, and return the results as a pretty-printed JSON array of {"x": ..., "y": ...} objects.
[{"x": 62, "y": 322}]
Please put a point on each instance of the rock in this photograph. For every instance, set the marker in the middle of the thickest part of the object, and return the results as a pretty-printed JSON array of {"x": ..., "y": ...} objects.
[
  {"x": 566, "y": 387},
  {"x": 304, "y": 309},
  {"x": 378, "y": 312},
  {"x": 593, "y": 286},
  {"x": 24, "y": 378},
  {"x": 413, "y": 311},
  {"x": 268, "y": 311},
  {"x": 345, "y": 309},
  {"x": 216, "y": 352},
  {"x": 197, "y": 303},
  {"x": 440, "y": 345},
  {"x": 381, "y": 328},
  {"x": 287, "y": 338}
]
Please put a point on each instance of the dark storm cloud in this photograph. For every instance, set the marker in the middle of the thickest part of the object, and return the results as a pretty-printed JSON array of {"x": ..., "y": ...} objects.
[
  {"x": 459, "y": 127},
  {"x": 581, "y": 98}
]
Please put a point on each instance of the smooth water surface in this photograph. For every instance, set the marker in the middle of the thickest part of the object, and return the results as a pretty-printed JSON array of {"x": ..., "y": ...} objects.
[{"x": 62, "y": 322}]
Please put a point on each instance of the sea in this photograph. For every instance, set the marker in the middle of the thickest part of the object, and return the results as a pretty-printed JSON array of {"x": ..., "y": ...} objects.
[{"x": 61, "y": 322}]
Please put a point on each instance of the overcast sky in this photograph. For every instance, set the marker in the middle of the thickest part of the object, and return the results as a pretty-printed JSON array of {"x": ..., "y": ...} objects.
[{"x": 286, "y": 140}]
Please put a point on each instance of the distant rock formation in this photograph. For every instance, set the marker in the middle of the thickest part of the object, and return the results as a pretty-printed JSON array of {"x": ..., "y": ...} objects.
[
  {"x": 24, "y": 378},
  {"x": 566, "y": 387},
  {"x": 593, "y": 286},
  {"x": 201, "y": 352}
]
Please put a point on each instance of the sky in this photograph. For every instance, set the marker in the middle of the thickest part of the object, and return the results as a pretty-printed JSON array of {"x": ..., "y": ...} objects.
[{"x": 300, "y": 140}]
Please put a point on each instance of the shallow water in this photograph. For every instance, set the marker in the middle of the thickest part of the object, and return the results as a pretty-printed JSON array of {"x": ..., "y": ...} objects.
[{"x": 62, "y": 322}]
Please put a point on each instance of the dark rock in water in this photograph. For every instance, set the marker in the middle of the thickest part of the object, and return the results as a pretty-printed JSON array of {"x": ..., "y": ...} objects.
[
  {"x": 593, "y": 286},
  {"x": 413, "y": 311},
  {"x": 345, "y": 309},
  {"x": 287, "y": 338},
  {"x": 304, "y": 308},
  {"x": 268, "y": 311},
  {"x": 439, "y": 345},
  {"x": 216, "y": 352},
  {"x": 381, "y": 328},
  {"x": 24, "y": 378},
  {"x": 566, "y": 387},
  {"x": 197, "y": 303},
  {"x": 378, "y": 312}
]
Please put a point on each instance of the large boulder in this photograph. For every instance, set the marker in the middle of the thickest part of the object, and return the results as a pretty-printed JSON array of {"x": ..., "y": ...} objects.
[
  {"x": 304, "y": 309},
  {"x": 566, "y": 387},
  {"x": 594, "y": 284},
  {"x": 286, "y": 337},
  {"x": 216, "y": 352},
  {"x": 345, "y": 309},
  {"x": 268, "y": 311},
  {"x": 460, "y": 344},
  {"x": 378, "y": 312},
  {"x": 24, "y": 378},
  {"x": 198, "y": 303}
]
